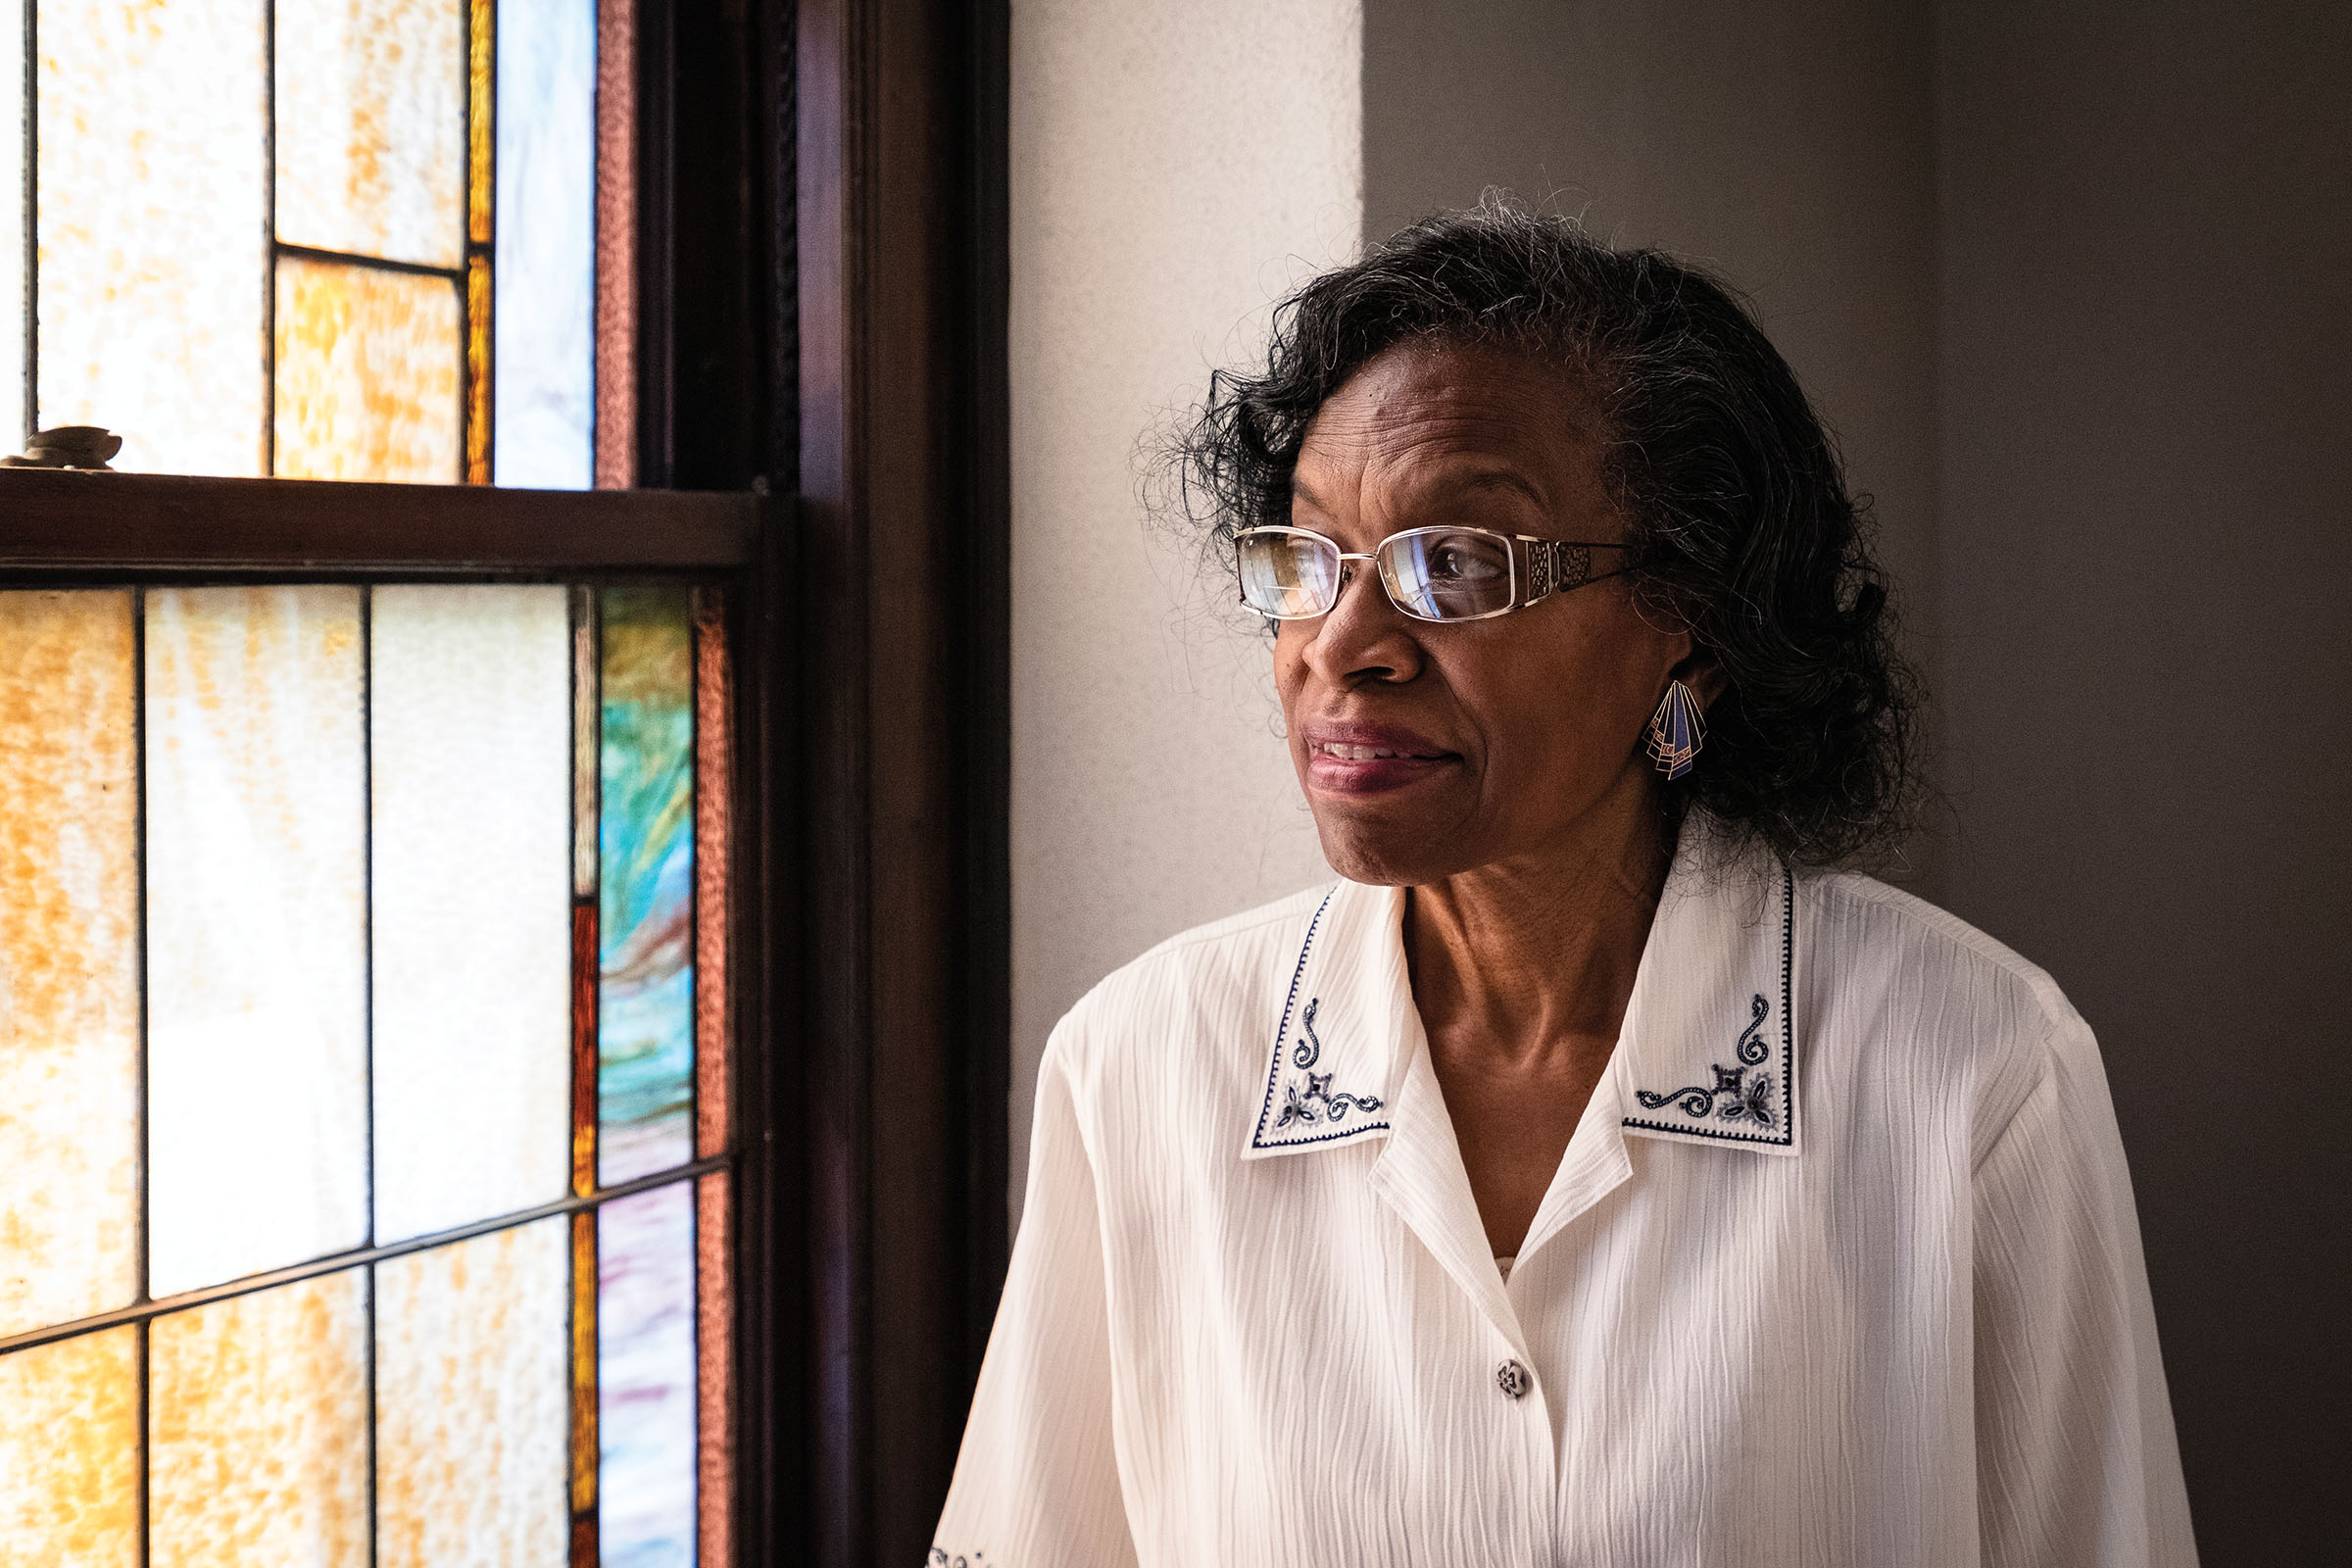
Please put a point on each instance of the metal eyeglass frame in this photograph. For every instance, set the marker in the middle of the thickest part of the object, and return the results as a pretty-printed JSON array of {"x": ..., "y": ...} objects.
[{"x": 1539, "y": 568}]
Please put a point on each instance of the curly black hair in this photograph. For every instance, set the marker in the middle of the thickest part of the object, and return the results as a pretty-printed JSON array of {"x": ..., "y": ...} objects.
[{"x": 1732, "y": 493}]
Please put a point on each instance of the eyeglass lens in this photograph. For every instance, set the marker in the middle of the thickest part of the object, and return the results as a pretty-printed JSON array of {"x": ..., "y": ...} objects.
[
  {"x": 1288, "y": 575},
  {"x": 1447, "y": 574},
  {"x": 1435, "y": 573}
]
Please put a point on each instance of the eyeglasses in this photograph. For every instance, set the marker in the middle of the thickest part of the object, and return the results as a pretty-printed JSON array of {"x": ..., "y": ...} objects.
[{"x": 1441, "y": 574}]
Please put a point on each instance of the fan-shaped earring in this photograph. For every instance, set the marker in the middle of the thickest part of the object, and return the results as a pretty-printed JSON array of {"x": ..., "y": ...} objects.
[{"x": 1676, "y": 731}]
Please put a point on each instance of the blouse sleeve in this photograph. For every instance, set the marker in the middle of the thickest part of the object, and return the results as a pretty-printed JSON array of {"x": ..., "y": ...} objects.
[
  {"x": 1037, "y": 1483},
  {"x": 2075, "y": 1459}
]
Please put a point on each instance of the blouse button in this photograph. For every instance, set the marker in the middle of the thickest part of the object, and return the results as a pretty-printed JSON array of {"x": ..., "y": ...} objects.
[{"x": 1513, "y": 1379}]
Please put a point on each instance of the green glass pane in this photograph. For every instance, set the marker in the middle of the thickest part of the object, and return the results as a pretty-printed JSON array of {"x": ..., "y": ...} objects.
[{"x": 646, "y": 882}]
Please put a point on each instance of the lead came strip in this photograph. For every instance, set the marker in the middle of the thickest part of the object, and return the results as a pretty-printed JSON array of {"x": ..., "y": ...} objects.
[{"x": 586, "y": 755}]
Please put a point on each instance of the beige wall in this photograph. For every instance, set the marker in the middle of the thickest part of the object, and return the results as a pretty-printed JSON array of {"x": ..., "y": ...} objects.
[{"x": 1175, "y": 167}]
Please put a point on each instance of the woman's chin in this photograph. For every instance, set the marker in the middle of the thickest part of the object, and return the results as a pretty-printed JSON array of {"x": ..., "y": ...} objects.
[{"x": 1363, "y": 847}]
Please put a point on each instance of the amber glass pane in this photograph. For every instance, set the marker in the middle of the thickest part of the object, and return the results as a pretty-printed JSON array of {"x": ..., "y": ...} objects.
[
  {"x": 367, "y": 373},
  {"x": 68, "y": 959},
  {"x": 257, "y": 1014},
  {"x": 371, "y": 127},
  {"x": 70, "y": 1453},
  {"x": 258, "y": 1411},
  {"x": 472, "y": 1400},
  {"x": 153, "y": 226}
]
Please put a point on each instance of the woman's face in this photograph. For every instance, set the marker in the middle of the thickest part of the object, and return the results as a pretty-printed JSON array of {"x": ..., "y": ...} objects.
[{"x": 1428, "y": 750}]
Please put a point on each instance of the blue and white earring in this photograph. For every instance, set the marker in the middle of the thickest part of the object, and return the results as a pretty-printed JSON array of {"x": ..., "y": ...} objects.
[{"x": 1677, "y": 731}]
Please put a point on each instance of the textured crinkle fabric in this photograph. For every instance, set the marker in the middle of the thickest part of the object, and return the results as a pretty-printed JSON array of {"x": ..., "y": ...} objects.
[{"x": 1841, "y": 1266}]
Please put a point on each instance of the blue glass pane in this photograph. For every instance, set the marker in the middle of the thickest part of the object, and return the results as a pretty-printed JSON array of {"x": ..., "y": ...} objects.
[{"x": 544, "y": 315}]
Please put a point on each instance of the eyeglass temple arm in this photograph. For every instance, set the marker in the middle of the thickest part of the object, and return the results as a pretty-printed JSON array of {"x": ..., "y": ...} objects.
[{"x": 1557, "y": 566}]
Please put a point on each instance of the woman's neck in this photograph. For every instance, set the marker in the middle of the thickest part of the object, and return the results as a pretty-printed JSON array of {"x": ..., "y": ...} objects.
[
  {"x": 1537, "y": 954},
  {"x": 1522, "y": 971}
]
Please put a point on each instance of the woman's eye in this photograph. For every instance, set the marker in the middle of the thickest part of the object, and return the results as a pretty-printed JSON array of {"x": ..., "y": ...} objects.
[{"x": 1461, "y": 563}]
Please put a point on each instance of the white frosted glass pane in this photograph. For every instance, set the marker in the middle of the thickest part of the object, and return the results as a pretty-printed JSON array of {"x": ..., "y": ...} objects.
[
  {"x": 470, "y": 706},
  {"x": 371, "y": 127},
  {"x": 544, "y": 315},
  {"x": 12, "y": 227},
  {"x": 154, "y": 199},
  {"x": 256, "y": 939},
  {"x": 473, "y": 1402}
]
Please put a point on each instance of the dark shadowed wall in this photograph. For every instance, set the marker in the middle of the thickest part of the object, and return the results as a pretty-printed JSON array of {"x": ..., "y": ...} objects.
[
  {"x": 2146, "y": 609},
  {"x": 1790, "y": 146},
  {"x": 2072, "y": 283}
]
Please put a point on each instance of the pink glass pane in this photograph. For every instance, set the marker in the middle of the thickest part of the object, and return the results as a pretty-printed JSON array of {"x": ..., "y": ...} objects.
[{"x": 645, "y": 1379}]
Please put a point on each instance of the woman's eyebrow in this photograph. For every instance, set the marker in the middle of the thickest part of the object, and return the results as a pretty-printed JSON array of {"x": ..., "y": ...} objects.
[
  {"x": 1441, "y": 487},
  {"x": 1507, "y": 479}
]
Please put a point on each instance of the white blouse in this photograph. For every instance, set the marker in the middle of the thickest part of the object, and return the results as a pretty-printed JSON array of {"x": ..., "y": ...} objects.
[{"x": 1839, "y": 1267}]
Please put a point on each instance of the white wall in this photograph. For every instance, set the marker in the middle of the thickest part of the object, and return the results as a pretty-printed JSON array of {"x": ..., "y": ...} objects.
[{"x": 1175, "y": 167}]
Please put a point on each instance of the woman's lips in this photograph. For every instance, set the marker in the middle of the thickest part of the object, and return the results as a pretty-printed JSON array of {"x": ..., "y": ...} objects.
[{"x": 1362, "y": 761}]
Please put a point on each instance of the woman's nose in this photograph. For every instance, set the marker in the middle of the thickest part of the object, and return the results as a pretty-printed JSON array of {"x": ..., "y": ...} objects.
[{"x": 1363, "y": 637}]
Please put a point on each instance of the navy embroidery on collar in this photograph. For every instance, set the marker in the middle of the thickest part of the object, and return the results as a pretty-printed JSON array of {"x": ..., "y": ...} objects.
[
  {"x": 1311, "y": 1049},
  {"x": 1297, "y": 1106},
  {"x": 1736, "y": 1097},
  {"x": 1313, "y": 1104},
  {"x": 940, "y": 1559},
  {"x": 1742, "y": 1097}
]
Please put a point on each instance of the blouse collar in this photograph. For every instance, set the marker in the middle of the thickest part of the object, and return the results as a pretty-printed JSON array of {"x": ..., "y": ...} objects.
[{"x": 1707, "y": 1054}]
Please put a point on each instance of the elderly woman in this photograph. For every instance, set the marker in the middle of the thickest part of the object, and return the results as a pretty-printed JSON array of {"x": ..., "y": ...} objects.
[{"x": 1591, "y": 1175}]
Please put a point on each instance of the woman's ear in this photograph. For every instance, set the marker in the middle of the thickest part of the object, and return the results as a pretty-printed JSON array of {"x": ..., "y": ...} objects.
[{"x": 1703, "y": 673}]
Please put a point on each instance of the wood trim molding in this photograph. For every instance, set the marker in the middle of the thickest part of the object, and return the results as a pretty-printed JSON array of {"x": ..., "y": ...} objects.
[
  {"x": 903, "y": 539},
  {"x": 55, "y": 520}
]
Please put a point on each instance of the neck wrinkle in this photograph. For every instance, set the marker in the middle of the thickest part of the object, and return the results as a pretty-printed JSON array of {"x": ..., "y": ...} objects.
[{"x": 1533, "y": 957}]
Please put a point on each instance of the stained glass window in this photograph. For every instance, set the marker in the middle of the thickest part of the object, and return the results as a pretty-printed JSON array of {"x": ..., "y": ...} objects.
[
  {"x": 364, "y": 1155},
  {"x": 344, "y": 239}
]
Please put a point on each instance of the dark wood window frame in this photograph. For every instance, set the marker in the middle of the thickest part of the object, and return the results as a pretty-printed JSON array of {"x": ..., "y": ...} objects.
[{"x": 822, "y": 263}]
